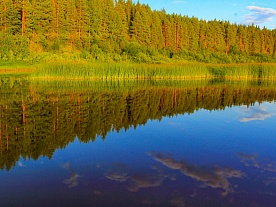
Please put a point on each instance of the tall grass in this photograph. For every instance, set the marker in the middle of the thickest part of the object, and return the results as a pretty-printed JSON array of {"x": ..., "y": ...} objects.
[
  {"x": 117, "y": 71},
  {"x": 130, "y": 71},
  {"x": 244, "y": 71}
]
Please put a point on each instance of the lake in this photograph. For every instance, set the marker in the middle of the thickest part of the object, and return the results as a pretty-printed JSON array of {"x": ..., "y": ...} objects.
[{"x": 137, "y": 143}]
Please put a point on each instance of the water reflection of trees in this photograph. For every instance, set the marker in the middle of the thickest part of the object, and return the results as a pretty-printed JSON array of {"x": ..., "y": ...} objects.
[{"x": 36, "y": 122}]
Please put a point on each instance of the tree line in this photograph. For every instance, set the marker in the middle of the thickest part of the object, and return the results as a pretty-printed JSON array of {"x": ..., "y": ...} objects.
[{"x": 125, "y": 29}]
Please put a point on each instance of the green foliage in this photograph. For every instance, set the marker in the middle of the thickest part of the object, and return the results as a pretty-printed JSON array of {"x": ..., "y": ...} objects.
[
  {"x": 133, "y": 49},
  {"x": 62, "y": 70},
  {"x": 234, "y": 49},
  {"x": 124, "y": 28},
  {"x": 55, "y": 46},
  {"x": 13, "y": 47}
]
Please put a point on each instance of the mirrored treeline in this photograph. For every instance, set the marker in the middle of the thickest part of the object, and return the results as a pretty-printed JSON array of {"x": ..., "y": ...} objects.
[{"x": 37, "y": 118}]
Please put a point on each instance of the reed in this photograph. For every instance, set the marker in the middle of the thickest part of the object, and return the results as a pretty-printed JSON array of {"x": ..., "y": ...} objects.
[
  {"x": 244, "y": 71},
  {"x": 130, "y": 71},
  {"x": 117, "y": 71}
]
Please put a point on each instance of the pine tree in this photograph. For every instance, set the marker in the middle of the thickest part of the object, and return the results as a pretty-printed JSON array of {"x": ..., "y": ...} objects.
[
  {"x": 157, "y": 39},
  {"x": 66, "y": 25}
]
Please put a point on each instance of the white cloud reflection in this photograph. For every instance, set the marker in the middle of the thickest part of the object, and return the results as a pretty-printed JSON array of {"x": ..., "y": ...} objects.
[
  {"x": 216, "y": 177},
  {"x": 251, "y": 160},
  {"x": 178, "y": 202},
  {"x": 118, "y": 176},
  {"x": 72, "y": 181},
  {"x": 145, "y": 181},
  {"x": 135, "y": 182},
  {"x": 118, "y": 173},
  {"x": 20, "y": 164},
  {"x": 255, "y": 114}
]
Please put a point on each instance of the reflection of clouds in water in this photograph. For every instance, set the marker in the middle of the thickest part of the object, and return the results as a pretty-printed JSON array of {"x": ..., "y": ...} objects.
[
  {"x": 118, "y": 173},
  {"x": 145, "y": 181},
  {"x": 255, "y": 114},
  {"x": 215, "y": 178},
  {"x": 266, "y": 168},
  {"x": 137, "y": 181},
  {"x": 20, "y": 164},
  {"x": 161, "y": 171},
  {"x": 73, "y": 180},
  {"x": 250, "y": 160},
  {"x": 117, "y": 176},
  {"x": 178, "y": 202},
  {"x": 174, "y": 123},
  {"x": 270, "y": 167},
  {"x": 270, "y": 181}
]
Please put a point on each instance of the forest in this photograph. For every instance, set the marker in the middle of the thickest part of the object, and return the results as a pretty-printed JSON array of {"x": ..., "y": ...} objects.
[
  {"x": 121, "y": 30},
  {"x": 38, "y": 118}
]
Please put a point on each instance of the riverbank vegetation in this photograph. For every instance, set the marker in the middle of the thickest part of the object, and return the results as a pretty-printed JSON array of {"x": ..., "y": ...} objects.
[
  {"x": 123, "y": 31},
  {"x": 176, "y": 71},
  {"x": 83, "y": 70}
]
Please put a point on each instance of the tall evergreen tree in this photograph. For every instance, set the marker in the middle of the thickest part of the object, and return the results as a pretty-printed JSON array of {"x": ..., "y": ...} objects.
[{"x": 110, "y": 25}]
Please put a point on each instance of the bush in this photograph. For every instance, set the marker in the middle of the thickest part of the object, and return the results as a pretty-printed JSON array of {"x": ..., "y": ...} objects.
[
  {"x": 13, "y": 47},
  {"x": 142, "y": 58},
  {"x": 133, "y": 49}
]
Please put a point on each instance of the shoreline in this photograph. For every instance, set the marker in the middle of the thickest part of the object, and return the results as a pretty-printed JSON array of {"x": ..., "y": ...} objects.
[{"x": 80, "y": 70}]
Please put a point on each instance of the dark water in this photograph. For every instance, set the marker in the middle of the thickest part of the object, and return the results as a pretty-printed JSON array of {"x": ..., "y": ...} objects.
[{"x": 208, "y": 143}]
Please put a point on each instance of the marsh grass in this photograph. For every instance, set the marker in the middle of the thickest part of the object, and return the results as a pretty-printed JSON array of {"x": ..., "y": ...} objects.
[
  {"x": 244, "y": 71},
  {"x": 170, "y": 71},
  {"x": 118, "y": 71}
]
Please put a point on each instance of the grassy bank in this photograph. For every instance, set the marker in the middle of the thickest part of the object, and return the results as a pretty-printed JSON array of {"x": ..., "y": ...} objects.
[
  {"x": 130, "y": 71},
  {"x": 16, "y": 69},
  {"x": 83, "y": 70},
  {"x": 119, "y": 71}
]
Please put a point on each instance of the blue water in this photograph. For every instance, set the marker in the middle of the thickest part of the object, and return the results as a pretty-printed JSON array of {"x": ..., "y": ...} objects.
[{"x": 209, "y": 158}]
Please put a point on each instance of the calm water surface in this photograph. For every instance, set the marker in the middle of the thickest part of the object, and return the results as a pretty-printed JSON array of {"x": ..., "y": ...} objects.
[{"x": 207, "y": 144}]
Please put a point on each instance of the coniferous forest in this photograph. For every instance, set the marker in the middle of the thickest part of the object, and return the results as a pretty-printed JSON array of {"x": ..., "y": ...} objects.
[{"x": 121, "y": 30}]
